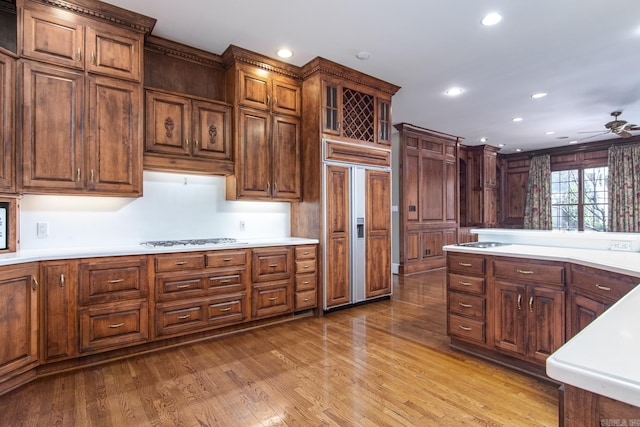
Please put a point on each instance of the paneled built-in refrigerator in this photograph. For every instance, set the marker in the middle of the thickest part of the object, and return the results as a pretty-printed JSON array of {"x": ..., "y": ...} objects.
[{"x": 357, "y": 236}]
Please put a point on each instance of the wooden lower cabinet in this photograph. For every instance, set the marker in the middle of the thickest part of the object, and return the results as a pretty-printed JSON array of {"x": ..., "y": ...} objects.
[
  {"x": 272, "y": 289},
  {"x": 306, "y": 278},
  {"x": 114, "y": 325},
  {"x": 18, "y": 322},
  {"x": 59, "y": 324}
]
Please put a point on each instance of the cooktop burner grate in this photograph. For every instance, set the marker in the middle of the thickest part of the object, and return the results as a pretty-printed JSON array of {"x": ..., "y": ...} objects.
[{"x": 189, "y": 242}]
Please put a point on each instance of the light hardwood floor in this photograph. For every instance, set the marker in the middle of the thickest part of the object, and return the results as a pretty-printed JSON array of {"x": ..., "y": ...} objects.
[{"x": 380, "y": 364}]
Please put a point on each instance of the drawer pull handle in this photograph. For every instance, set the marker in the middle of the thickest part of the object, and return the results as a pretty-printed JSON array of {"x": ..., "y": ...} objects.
[
  {"x": 116, "y": 325},
  {"x": 180, "y": 262},
  {"x": 34, "y": 284},
  {"x": 225, "y": 309},
  {"x": 465, "y": 283},
  {"x": 226, "y": 259},
  {"x": 465, "y": 305},
  {"x": 305, "y": 253},
  {"x": 464, "y": 328},
  {"x": 273, "y": 265},
  {"x": 224, "y": 281},
  {"x": 465, "y": 264},
  {"x": 273, "y": 298},
  {"x": 183, "y": 286},
  {"x": 305, "y": 266},
  {"x": 184, "y": 316},
  {"x": 62, "y": 280},
  {"x": 524, "y": 271},
  {"x": 306, "y": 300},
  {"x": 306, "y": 282},
  {"x": 112, "y": 281},
  {"x": 603, "y": 288}
]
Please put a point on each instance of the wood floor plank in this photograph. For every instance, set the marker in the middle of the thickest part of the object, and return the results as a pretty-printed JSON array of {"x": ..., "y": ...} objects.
[{"x": 382, "y": 364}]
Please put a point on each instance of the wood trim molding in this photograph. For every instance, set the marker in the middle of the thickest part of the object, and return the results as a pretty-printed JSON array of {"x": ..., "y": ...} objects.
[
  {"x": 234, "y": 54},
  {"x": 169, "y": 47}
]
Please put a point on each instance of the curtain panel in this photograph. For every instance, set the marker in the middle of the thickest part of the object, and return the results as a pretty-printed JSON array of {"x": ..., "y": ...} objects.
[
  {"x": 537, "y": 210},
  {"x": 624, "y": 188}
]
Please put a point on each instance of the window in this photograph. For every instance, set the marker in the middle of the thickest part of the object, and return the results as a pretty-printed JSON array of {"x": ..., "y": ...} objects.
[{"x": 579, "y": 199}]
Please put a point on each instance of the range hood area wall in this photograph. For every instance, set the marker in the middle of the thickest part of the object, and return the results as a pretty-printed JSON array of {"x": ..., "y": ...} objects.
[{"x": 174, "y": 206}]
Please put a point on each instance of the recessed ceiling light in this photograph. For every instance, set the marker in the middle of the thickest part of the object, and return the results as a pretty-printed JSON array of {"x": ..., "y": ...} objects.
[
  {"x": 483, "y": 139},
  {"x": 549, "y": 132},
  {"x": 363, "y": 55},
  {"x": 491, "y": 19},
  {"x": 500, "y": 145},
  {"x": 518, "y": 149},
  {"x": 454, "y": 91},
  {"x": 539, "y": 95},
  {"x": 285, "y": 53},
  {"x": 517, "y": 119},
  {"x": 573, "y": 142}
]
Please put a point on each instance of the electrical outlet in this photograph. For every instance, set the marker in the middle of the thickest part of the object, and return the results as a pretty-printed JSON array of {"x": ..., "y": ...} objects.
[
  {"x": 242, "y": 225},
  {"x": 42, "y": 229},
  {"x": 621, "y": 245}
]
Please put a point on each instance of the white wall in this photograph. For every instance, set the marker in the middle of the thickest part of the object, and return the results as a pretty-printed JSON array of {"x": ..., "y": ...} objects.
[{"x": 174, "y": 206}]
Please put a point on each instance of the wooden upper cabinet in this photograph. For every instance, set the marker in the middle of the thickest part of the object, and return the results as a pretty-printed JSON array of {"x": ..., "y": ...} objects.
[
  {"x": 52, "y": 146},
  {"x": 96, "y": 48},
  {"x": 114, "y": 137},
  {"x": 7, "y": 122},
  {"x": 182, "y": 127},
  {"x": 262, "y": 90}
]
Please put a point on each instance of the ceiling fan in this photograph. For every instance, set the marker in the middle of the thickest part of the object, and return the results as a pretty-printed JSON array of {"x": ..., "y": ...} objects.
[{"x": 616, "y": 126}]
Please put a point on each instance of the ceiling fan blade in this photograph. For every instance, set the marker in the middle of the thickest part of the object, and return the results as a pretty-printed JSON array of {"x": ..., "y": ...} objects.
[
  {"x": 623, "y": 133},
  {"x": 596, "y": 131},
  {"x": 591, "y": 136}
]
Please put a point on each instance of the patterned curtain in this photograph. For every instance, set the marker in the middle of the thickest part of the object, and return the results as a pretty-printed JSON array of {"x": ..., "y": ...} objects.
[
  {"x": 624, "y": 188},
  {"x": 537, "y": 210}
]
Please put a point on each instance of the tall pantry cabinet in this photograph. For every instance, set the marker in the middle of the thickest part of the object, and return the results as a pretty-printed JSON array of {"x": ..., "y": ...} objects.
[
  {"x": 346, "y": 127},
  {"x": 80, "y": 75}
]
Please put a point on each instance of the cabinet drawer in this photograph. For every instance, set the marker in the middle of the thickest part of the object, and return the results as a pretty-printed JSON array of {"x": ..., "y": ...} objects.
[
  {"x": 469, "y": 284},
  {"x": 306, "y": 299},
  {"x": 467, "y": 305},
  {"x": 227, "y": 309},
  {"x": 469, "y": 329},
  {"x": 181, "y": 317},
  {"x": 271, "y": 299},
  {"x": 524, "y": 269},
  {"x": 306, "y": 266},
  {"x": 104, "y": 281},
  {"x": 225, "y": 258},
  {"x": 465, "y": 264},
  {"x": 305, "y": 282},
  {"x": 605, "y": 285},
  {"x": 305, "y": 252},
  {"x": 179, "y": 262},
  {"x": 271, "y": 264},
  {"x": 228, "y": 281},
  {"x": 179, "y": 286},
  {"x": 113, "y": 325}
]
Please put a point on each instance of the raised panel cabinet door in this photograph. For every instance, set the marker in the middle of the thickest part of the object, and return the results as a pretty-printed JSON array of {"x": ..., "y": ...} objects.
[
  {"x": 168, "y": 124},
  {"x": 383, "y": 122},
  {"x": 450, "y": 202},
  {"x": 584, "y": 310},
  {"x": 211, "y": 130},
  {"x": 545, "y": 321},
  {"x": 114, "y": 53},
  {"x": 432, "y": 183},
  {"x": 59, "y": 319},
  {"x": 114, "y": 137},
  {"x": 18, "y": 318},
  {"x": 254, "y": 89},
  {"x": 268, "y": 264},
  {"x": 287, "y": 97},
  {"x": 52, "y": 136},
  {"x": 410, "y": 187},
  {"x": 48, "y": 38},
  {"x": 254, "y": 159},
  {"x": 378, "y": 233},
  {"x": 510, "y": 317},
  {"x": 286, "y": 158},
  {"x": 7, "y": 122},
  {"x": 337, "y": 239},
  {"x": 331, "y": 108}
]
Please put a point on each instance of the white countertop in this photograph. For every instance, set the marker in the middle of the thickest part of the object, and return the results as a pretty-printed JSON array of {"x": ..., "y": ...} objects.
[
  {"x": 603, "y": 357},
  {"x": 32, "y": 255}
]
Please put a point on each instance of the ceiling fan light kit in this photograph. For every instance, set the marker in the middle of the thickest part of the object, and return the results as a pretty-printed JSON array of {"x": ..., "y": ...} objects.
[{"x": 618, "y": 127}]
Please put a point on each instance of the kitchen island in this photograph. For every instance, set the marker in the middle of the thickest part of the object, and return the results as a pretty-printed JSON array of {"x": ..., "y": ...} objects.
[{"x": 539, "y": 289}]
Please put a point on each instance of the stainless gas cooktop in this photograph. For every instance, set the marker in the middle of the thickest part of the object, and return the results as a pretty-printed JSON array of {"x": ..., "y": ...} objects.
[
  {"x": 482, "y": 244},
  {"x": 189, "y": 242}
]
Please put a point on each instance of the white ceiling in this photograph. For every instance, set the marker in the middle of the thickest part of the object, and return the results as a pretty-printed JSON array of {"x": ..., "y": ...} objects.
[{"x": 584, "y": 53}]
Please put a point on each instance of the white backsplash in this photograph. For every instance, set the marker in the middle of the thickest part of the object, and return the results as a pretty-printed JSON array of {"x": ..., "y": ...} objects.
[{"x": 174, "y": 206}]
